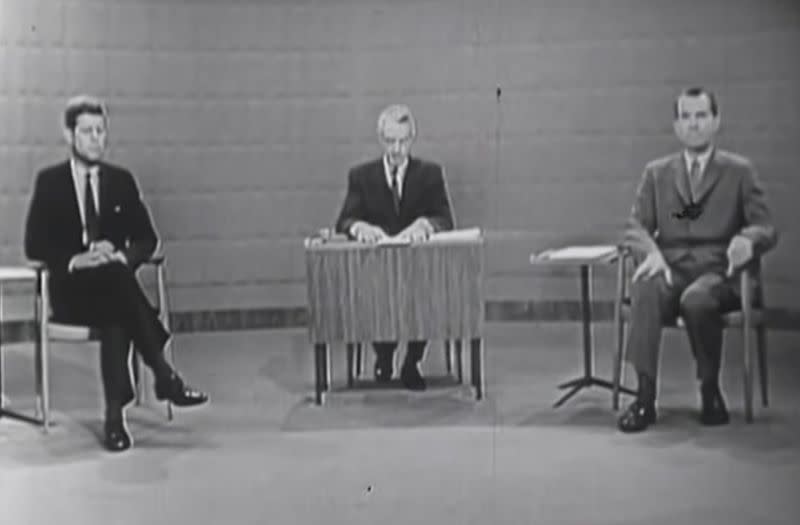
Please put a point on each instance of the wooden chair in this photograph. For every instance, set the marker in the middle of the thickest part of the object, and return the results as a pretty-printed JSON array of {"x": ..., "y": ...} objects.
[
  {"x": 52, "y": 331},
  {"x": 751, "y": 317}
]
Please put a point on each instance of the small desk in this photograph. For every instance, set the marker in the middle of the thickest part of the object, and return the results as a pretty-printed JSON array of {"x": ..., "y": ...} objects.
[
  {"x": 584, "y": 257},
  {"x": 20, "y": 274},
  {"x": 360, "y": 293}
]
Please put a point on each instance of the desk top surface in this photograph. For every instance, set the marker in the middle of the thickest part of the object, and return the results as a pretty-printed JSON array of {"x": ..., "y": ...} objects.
[
  {"x": 577, "y": 255},
  {"x": 17, "y": 273},
  {"x": 314, "y": 244}
]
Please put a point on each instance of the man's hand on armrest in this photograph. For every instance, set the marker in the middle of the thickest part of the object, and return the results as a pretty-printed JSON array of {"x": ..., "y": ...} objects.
[{"x": 740, "y": 251}]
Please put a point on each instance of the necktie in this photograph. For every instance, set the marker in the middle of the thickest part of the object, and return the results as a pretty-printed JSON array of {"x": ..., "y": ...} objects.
[
  {"x": 90, "y": 211},
  {"x": 395, "y": 189},
  {"x": 694, "y": 178}
]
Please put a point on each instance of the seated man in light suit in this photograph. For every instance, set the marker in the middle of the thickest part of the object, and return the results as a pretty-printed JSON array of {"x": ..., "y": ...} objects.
[
  {"x": 396, "y": 195},
  {"x": 699, "y": 216},
  {"x": 88, "y": 223}
]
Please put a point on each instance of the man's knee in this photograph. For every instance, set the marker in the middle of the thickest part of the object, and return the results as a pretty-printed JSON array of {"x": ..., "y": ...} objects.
[
  {"x": 698, "y": 301},
  {"x": 653, "y": 289}
]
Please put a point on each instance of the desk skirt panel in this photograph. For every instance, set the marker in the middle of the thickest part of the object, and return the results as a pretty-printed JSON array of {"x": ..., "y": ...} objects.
[{"x": 360, "y": 293}]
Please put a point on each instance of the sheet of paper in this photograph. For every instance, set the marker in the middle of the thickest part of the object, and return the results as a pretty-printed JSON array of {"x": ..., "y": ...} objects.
[
  {"x": 465, "y": 234},
  {"x": 393, "y": 241},
  {"x": 579, "y": 253}
]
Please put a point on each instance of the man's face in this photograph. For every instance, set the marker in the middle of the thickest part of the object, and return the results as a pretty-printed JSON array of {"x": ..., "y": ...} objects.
[
  {"x": 88, "y": 139},
  {"x": 695, "y": 125},
  {"x": 396, "y": 141}
]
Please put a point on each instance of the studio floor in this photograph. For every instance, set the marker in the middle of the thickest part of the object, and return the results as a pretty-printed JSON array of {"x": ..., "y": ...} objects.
[{"x": 262, "y": 452}]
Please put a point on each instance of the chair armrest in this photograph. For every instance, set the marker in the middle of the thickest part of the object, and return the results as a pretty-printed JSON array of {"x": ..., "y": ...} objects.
[
  {"x": 157, "y": 259},
  {"x": 37, "y": 265},
  {"x": 42, "y": 272}
]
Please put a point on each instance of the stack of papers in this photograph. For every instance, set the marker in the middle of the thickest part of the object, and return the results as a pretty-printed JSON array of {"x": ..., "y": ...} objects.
[
  {"x": 577, "y": 253},
  {"x": 393, "y": 241},
  {"x": 466, "y": 234}
]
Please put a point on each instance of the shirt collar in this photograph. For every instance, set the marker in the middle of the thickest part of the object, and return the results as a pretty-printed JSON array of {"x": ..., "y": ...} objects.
[
  {"x": 401, "y": 173},
  {"x": 79, "y": 171},
  {"x": 702, "y": 159}
]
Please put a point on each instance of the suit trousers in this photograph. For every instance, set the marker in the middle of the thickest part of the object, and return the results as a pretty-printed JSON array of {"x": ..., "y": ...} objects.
[
  {"x": 414, "y": 351},
  {"x": 700, "y": 298},
  {"x": 110, "y": 299}
]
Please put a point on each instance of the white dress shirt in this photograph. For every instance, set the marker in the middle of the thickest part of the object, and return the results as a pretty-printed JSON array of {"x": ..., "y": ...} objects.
[
  {"x": 79, "y": 181},
  {"x": 401, "y": 174},
  {"x": 702, "y": 159}
]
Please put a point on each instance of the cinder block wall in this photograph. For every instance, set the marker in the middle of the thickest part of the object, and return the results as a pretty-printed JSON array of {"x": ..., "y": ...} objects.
[{"x": 241, "y": 118}]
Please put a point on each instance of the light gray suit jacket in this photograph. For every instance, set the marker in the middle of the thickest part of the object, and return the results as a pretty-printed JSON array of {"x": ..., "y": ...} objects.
[{"x": 733, "y": 203}]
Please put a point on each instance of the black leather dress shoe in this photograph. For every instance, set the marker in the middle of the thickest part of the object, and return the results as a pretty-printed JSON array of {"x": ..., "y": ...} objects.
[
  {"x": 116, "y": 437},
  {"x": 411, "y": 378},
  {"x": 383, "y": 371},
  {"x": 713, "y": 411},
  {"x": 179, "y": 393},
  {"x": 637, "y": 417}
]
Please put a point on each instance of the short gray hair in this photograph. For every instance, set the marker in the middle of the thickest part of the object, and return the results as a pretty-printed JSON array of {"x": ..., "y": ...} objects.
[{"x": 399, "y": 113}]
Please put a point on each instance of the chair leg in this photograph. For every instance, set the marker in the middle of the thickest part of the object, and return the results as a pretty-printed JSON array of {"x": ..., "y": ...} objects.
[
  {"x": 38, "y": 370},
  {"x": 350, "y": 371},
  {"x": 748, "y": 375},
  {"x": 459, "y": 348},
  {"x": 619, "y": 339},
  {"x": 136, "y": 369},
  {"x": 761, "y": 349},
  {"x": 448, "y": 357},
  {"x": 170, "y": 413},
  {"x": 359, "y": 361}
]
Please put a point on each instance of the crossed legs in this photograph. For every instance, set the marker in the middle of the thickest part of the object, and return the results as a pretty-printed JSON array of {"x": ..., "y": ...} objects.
[{"x": 109, "y": 297}]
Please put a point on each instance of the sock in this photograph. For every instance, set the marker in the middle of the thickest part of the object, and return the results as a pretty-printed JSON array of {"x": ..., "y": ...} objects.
[
  {"x": 113, "y": 411},
  {"x": 161, "y": 369},
  {"x": 709, "y": 388},
  {"x": 647, "y": 389}
]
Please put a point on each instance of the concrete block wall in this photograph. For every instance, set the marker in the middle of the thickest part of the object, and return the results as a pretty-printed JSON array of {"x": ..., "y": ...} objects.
[{"x": 241, "y": 118}]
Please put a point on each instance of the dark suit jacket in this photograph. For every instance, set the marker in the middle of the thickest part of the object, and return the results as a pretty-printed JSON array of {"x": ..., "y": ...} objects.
[
  {"x": 53, "y": 232},
  {"x": 369, "y": 198},
  {"x": 733, "y": 203}
]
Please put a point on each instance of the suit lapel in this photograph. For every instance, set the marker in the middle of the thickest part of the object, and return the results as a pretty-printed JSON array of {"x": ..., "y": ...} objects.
[
  {"x": 409, "y": 184},
  {"x": 103, "y": 192},
  {"x": 710, "y": 177},
  {"x": 73, "y": 210},
  {"x": 682, "y": 179},
  {"x": 382, "y": 187}
]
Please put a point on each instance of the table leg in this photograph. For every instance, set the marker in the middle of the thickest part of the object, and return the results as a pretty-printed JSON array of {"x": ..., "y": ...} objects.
[
  {"x": 476, "y": 357},
  {"x": 459, "y": 360},
  {"x": 350, "y": 351},
  {"x": 319, "y": 357},
  {"x": 587, "y": 380}
]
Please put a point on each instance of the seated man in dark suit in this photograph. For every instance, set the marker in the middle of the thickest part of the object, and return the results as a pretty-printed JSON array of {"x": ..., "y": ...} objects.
[
  {"x": 700, "y": 214},
  {"x": 396, "y": 196},
  {"x": 88, "y": 224}
]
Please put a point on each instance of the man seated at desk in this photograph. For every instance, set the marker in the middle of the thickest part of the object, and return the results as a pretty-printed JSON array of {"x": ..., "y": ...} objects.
[
  {"x": 699, "y": 216},
  {"x": 398, "y": 196}
]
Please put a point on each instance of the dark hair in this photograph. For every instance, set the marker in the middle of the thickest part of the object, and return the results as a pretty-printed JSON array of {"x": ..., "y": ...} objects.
[
  {"x": 697, "y": 91},
  {"x": 78, "y": 107}
]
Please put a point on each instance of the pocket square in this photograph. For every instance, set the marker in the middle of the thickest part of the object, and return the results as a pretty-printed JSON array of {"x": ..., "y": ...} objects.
[{"x": 117, "y": 208}]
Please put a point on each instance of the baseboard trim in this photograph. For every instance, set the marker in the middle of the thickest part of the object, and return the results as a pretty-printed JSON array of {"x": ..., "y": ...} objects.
[{"x": 197, "y": 321}]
